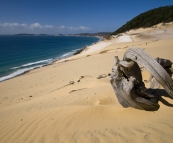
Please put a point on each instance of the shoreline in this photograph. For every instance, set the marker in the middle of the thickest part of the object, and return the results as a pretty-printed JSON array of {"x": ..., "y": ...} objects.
[
  {"x": 6, "y": 77},
  {"x": 73, "y": 100},
  {"x": 82, "y": 52}
]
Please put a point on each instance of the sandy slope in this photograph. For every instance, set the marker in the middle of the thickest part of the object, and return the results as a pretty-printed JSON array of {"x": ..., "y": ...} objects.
[{"x": 41, "y": 106}]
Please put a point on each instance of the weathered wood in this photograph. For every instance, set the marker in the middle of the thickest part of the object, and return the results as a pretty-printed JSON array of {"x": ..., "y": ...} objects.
[
  {"x": 144, "y": 59},
  {"x": 166, "y": 64},
  {"x": 126, "y": 80},
  {"x": 122, "y": 86}
]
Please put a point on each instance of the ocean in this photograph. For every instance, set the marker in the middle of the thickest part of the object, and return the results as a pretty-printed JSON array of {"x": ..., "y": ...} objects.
[{"x": 19, "y": 54}]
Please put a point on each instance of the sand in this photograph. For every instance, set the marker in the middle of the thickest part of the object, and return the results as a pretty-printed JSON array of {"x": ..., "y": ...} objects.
[{"x": 42, "y": 107}]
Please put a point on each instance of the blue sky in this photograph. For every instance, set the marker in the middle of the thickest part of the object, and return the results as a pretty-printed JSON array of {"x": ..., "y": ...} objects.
[{"x": 70, "y": 16}]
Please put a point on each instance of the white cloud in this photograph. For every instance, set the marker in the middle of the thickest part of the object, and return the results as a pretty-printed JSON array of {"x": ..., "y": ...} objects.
[
  {"x": 84, "y": 28},
  {"x": 32, "y": 26},
  {"x": 9, "y": 28},
  {"x": 72, "y": 28},
  {"x": 39, "y": 26},
  {"x": 48, "y": 26},
  {"x": 35, "y": 25},
  {"x": 78, "y": 28},
  {"x": 61, "y": 27},
  {"x": 13, "y": 25}
]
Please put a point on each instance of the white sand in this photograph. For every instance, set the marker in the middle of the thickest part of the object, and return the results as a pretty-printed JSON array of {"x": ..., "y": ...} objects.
[
  {"x": 96, "y": 47},
  {"x": 123, "y": 38}
]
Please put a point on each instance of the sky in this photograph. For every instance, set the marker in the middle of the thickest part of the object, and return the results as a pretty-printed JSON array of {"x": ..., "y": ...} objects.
[{"x": 70, "y": 16}]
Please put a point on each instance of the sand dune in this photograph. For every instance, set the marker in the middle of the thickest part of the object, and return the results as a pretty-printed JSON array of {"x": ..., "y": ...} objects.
[{"x": 42, "y": 105}]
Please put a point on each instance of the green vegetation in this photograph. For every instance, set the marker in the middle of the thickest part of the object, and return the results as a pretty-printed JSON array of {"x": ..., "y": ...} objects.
[
  {"x": 100, "y": 34},
  {"x": 79, "y": 51},
  {"x": 148, "y": 19}
]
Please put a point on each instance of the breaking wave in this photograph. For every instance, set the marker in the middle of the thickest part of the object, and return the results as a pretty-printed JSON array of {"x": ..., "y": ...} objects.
[
  {"x": 19, "y": 72},
  {"x": 33, "y": 63}
]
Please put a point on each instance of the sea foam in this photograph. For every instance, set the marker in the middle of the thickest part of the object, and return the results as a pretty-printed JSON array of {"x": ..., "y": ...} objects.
[
  {"x": 67, "y": 54},
  {"x": 47, "y": 49},
  {"x": 19, "y": 72},
  {"x": 33, "y": 63}
]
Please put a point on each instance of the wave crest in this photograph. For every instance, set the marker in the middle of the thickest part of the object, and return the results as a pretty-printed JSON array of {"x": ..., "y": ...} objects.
[
  {"x": 19, "y": 72},
  {"x": 33, "y": 63}
]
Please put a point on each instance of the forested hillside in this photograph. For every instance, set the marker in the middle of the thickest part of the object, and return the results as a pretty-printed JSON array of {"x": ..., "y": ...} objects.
[{"x": 148, "y": 19}]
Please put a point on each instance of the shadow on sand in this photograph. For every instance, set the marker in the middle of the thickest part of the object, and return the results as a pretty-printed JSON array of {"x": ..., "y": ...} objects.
[{"x": 162, "y": 93}]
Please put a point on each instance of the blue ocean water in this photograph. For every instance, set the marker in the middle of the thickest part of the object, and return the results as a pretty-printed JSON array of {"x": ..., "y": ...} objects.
[{"x": 19, "y": 54}]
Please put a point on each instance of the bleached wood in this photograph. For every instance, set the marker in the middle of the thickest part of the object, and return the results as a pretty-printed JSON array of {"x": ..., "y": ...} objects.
[
  {"x": 126, "y": 80},
  {"x": 144, "y": 59}
]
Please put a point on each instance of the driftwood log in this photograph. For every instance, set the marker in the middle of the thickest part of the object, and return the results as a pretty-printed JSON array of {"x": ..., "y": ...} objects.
[
  {"x": 166, "y": 64},
  {"x": 126, "y": 79}
]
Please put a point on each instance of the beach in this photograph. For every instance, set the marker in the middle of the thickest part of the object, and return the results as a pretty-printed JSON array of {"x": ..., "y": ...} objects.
[{"x": 66, "y": 102}]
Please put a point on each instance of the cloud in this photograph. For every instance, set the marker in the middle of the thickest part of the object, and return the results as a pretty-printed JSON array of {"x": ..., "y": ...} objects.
[
  {"x": 35, "y": 25},
  {"x": 79, "y": 28},
  {"x": 13, "y": 25},
  {"x": 9, "y": 28},
  {"x": 32, "y": 26},
  {"x": 61, "y": 27},
  {"x": 72, "y": 28},
  {"x": 48, "y": 26},
  {"x": 84, "y": 28},
  {"x": 39, "y": 26}
]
